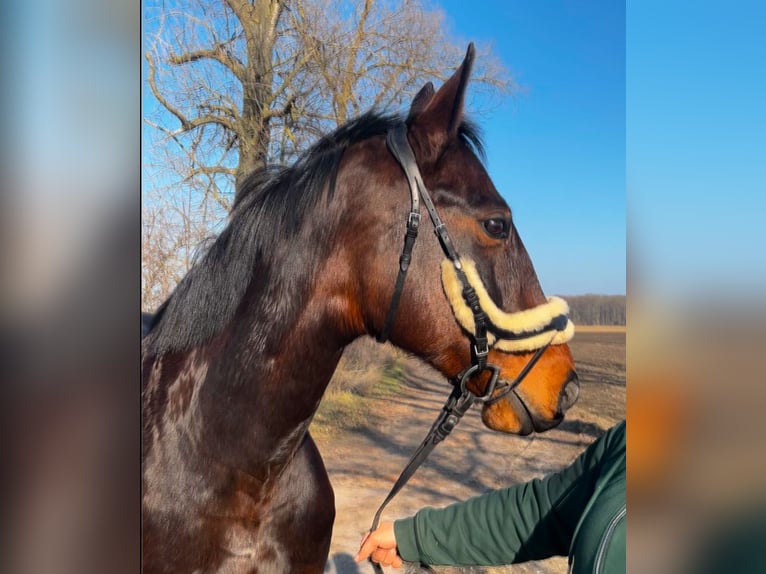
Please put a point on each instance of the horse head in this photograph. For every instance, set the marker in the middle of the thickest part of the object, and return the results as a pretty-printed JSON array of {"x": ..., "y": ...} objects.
[{"x": 433, "y": 320}]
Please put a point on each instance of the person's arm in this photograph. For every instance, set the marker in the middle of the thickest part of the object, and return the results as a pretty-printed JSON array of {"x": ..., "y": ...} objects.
[{"x": 527, "y": 521}]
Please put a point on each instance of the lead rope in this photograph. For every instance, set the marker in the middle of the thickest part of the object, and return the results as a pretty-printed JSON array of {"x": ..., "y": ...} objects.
[{"x": 453, "y": 410}]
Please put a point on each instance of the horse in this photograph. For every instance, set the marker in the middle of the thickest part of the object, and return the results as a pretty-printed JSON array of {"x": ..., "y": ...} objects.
[{"x": 235, "y": 362}]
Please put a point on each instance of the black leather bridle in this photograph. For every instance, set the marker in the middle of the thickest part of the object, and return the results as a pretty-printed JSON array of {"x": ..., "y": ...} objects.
[
  {"x": 461, "y": 398},
  {"x": 400, "y": 148}
]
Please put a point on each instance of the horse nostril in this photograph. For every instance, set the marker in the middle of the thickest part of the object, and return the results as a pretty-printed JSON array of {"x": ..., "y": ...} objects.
[{"x": 570, "y": 393}]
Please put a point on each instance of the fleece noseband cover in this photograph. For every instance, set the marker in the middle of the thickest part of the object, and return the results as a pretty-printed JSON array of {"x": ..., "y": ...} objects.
[{"x": 520, "y": 331}]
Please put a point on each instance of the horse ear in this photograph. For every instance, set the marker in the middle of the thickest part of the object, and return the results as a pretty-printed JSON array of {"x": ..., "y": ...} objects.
[
  {"x": 438, "y": 117},
  {"x": 421, "y": 100}
]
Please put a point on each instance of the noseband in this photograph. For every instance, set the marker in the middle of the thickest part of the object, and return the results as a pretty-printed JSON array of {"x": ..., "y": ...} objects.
[{"x": 481, "y": 326}]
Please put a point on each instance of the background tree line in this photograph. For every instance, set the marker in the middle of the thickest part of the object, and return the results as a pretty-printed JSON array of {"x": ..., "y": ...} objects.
[{"x": 597, "y": 309}]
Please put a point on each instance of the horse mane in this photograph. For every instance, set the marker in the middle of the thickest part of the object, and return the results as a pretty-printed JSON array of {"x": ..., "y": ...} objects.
[{"x": 271, "y": 206}]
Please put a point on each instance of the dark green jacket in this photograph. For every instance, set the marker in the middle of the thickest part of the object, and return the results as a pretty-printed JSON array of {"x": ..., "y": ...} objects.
[{"x": 579, "y": 512}]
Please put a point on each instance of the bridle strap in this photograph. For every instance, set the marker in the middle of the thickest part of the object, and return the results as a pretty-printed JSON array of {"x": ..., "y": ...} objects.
[
  {"x": 413, "y": 222},
  {"x": 399, "y": 146},
  {"x": 520, "y": 377},
  {"x": 393, "y": 140},
  {"x": 453, "y": 410},
  {"x": 558, "y": 323}
]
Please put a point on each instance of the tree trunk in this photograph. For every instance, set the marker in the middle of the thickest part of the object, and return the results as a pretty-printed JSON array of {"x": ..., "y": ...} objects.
[{"x": 259, "y": 22}]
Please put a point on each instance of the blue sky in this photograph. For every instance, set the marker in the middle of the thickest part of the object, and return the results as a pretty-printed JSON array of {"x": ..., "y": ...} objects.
[
  {"x": 556, "y": 151},
  {"x": 696, "y": 143}
]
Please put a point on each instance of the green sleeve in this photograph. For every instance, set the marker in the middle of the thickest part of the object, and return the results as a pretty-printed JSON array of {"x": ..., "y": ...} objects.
[{"x": 528, "y": 521}]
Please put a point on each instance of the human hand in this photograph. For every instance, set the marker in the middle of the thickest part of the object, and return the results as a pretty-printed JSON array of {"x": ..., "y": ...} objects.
[{"x": 380, "y": 546}]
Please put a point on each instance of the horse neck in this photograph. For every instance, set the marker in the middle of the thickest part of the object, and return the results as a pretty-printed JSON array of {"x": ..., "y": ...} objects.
[{"x": 251, "y": 392}]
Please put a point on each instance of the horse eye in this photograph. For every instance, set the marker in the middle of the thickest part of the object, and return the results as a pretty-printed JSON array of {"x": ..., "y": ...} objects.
[{"x": 496, "y": 227}]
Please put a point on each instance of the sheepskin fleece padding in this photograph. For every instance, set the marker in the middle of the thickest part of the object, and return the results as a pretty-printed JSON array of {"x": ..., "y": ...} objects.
[{"x": 527, "y": 321}]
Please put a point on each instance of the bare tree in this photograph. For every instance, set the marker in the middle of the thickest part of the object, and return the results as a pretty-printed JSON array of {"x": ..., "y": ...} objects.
[{"x": 245, "y": 83}]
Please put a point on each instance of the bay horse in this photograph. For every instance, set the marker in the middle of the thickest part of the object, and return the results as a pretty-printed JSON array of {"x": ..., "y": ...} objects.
[{"x": 236, "y": 361}]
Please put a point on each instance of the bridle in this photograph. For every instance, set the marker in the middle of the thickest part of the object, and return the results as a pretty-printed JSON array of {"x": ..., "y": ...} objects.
[
  {"x": 461, "y": 398},
  {"x": 399, "y": 146}
]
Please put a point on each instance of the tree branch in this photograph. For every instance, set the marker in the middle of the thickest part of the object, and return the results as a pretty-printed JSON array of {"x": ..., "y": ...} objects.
[
  {"x": 286, "y": 83},
  {"x": 348, "y": 85},
  {"x": 160, "y": 98},
  {"x": 217, "y": 53},
  {"x": 210, "y": 170},
  {"x": 229, "y": 123}
]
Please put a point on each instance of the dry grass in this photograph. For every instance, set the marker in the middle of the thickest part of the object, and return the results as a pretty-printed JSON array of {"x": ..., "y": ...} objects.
[{"x": 366, "y": 372}]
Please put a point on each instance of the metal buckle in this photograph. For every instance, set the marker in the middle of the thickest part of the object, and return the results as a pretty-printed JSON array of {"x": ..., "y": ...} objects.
[
  {"x": 491, "y": 385},
  {"x": 481, "y": 352}
]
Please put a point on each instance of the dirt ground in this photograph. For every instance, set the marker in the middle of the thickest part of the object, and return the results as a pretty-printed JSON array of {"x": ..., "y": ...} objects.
[{"x": 363, "y": 464}]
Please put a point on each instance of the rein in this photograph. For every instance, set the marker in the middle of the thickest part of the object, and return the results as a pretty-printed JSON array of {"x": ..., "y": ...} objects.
[{"x": 461, "y": 398}]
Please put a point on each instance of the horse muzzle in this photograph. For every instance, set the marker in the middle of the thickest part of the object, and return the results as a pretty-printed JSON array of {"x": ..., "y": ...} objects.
[{"x": 512, "y": 412}]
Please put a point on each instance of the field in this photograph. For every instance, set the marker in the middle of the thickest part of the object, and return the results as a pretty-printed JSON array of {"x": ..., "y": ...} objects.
[{"x": 380, "y": 405}]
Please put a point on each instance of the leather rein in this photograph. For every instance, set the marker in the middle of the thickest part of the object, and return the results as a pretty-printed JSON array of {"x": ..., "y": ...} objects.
[{"x": 461, "y": 398}]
